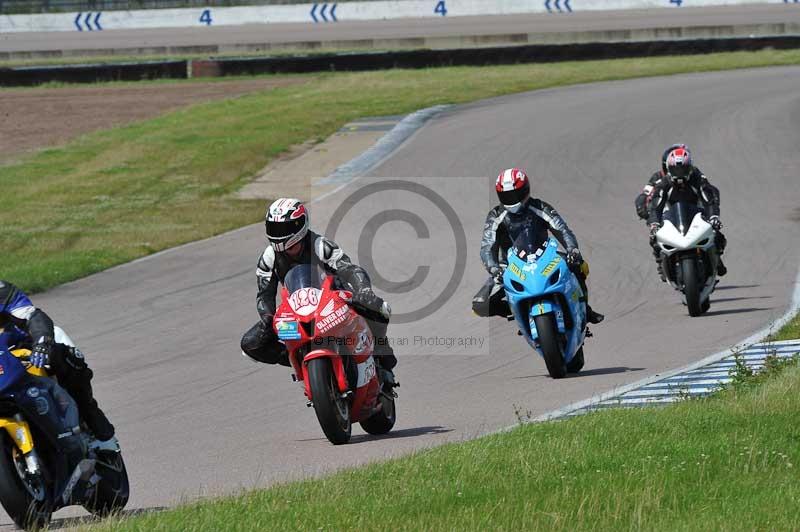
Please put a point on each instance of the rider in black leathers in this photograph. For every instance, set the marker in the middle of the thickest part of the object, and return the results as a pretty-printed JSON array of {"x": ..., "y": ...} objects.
[
  {"x": 292, "y": 243},
  {"x": 517, "y": 210},
  {"x": 684, "y": 182},
  {"x": 37, "y": 332}
]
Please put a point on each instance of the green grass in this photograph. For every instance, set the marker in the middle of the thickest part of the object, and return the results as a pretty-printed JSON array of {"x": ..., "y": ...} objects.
[
  {"x": 790, "y": 331},
  {"x": 728, "y": 462},
  {"x": 112, "y": 196}
]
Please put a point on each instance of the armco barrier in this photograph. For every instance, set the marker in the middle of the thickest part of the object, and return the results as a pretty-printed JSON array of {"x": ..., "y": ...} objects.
[
  {"x": 22, "y": 76},
  {"x": 386, "y": 60},
  {"x": 483, "y": 56}
]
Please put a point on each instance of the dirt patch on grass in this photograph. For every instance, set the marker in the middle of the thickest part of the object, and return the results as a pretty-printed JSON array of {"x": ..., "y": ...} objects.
[{"x": 39, "y": 118}]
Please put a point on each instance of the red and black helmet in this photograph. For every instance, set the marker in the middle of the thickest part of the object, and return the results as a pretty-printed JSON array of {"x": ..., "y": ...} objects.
[
  {"x": 286, "y": 223},
  {"x": 679, "y": 164},
  {"x": 513, "y": 188},
  {"x": 666, "y": 154}
]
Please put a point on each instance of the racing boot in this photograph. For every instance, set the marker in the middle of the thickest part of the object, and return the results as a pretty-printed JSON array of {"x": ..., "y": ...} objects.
[
  {"x": 592, "y": 316},
  {"x": 721, "y": 269}
]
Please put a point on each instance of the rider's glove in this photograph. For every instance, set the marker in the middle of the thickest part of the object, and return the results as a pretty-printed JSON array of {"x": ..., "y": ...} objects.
[
  {"x": 654, "y": 227},
  {"x": 497, "y": 273},
  {"x": 40, "y": 355},
  {"x": 574, "y": 257},
  {"x": 715, "y": 222}
]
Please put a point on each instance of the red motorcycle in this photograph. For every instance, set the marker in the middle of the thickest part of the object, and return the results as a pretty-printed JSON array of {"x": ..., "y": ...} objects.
[{"x": 330, "y": 348}]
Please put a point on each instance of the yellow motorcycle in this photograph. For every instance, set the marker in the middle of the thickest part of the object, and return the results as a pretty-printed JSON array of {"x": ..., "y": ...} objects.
[{"x": 47, "y": 461}]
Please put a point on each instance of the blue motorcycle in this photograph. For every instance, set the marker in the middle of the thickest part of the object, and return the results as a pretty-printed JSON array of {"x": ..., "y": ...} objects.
[
  {"x": 547, "y": 302},
  {"x": 46, "y": 460}
]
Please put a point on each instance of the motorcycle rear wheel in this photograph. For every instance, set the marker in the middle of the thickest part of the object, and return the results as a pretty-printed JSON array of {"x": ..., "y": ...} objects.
[
  {"x": 112, "y": 491},
  {"x": 383, "y": 421},
  {"x": 576, "y": 364},
  {"x": 333, "y": 411},
  {"x": 548, "y": 340},
  {"x": 691, "y": 286},
  {"x": 27, "y": 505}
]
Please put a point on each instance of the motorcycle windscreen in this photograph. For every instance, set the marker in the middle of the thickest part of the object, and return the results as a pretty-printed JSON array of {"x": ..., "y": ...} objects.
[
  {"x": 528, "y": 245},
  {"x": 303, "y": 276},
  {"x": 681, "y": 214}
]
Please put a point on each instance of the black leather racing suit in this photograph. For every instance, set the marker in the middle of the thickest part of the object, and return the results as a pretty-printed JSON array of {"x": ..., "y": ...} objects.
[
  {"x": 261, "y": 343},
  {"x": 66, "y": 362},
  {"x": 499, "y": 231},
  {"x": 646, "y": 195},
  {"x": 697, "y": 190}
]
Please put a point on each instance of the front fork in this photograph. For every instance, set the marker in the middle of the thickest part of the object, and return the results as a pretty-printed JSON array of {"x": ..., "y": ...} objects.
[{"x": 20, "y": 433}]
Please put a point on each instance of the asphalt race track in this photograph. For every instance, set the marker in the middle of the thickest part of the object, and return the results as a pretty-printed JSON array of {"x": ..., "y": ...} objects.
[
  {"x": 195, "y": 418},
  {"x": 402, "y": 28}
]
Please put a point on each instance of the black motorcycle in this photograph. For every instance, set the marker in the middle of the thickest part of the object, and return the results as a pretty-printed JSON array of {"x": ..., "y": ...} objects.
[{"x": 46, "y": 460}]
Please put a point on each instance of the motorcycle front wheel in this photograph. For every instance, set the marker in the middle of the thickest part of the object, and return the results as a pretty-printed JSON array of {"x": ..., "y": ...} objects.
[
  {"x": 333, "y": 410},
  {"x": 691, "y": 286},
  {"x": 548, "y": 341},
  {"x": 23, "y": 497}
]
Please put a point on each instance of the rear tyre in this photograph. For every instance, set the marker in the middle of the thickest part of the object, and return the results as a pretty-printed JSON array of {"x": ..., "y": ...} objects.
[
  {"x": 24, "y": 499},
  {"x": 548, "y": 341},
  {"x": 691, "y": 286},
  {"x": 383, "y": 421},
  {"x": 333, "y": 411},
  {"x": 112, "y": 492},
  {"x": 576, "y": 364}
]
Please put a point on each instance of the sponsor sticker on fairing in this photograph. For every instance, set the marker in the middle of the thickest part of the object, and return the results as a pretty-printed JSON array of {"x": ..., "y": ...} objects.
[
  {"x": 334, "y": 319},
  {"x": 288, "y": 330}
]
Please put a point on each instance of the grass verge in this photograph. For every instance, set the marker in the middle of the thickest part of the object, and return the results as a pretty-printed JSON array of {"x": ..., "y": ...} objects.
[
  {"x": 727, "y": 462},
  {"x": 112, "y": 196},
  {"x": 790, "y": 331}
]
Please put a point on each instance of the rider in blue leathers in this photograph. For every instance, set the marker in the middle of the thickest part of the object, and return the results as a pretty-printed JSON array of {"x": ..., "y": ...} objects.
[{"x": 27, "y": 326}]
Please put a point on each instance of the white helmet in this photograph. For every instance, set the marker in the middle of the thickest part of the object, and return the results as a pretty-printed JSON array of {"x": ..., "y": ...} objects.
[{"x": 286, "y": 223}]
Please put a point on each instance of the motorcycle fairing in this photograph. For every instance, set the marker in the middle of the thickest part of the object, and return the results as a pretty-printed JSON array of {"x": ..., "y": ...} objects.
[
  {"x": 699, "y": 234},
  {"x": 330, "y": 328},
  {"x": 544, "y": 284}
]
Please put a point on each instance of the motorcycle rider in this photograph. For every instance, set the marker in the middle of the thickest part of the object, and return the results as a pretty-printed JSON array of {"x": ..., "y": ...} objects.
[
  {"x": 682, "y": 181},
  {"x": 36, "y": 331},
  {"x": 292, "y": 243},
  {"x": 516, "y": 211},
  {"x": 644, "y": 198}
]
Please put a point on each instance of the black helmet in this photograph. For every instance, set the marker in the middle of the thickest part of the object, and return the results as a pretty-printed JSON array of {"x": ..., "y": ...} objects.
[{"x": 286, "y": 223}]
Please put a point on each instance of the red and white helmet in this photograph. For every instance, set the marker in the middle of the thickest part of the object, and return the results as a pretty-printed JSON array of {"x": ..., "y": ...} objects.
[
  {"x": 286, "y": 223},
  {"x": 513, "y": 189},
  {"x": 679, "y": 164}
]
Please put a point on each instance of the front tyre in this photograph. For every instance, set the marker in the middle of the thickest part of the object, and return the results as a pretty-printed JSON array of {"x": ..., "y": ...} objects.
[
  {"x": 23, "y": 497},
  {"x": 691, "y": 286},
  {"x": 112, "y": 491},
  {"x": 548, "y": 341},
  {"x": 333, "y": 410}
]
